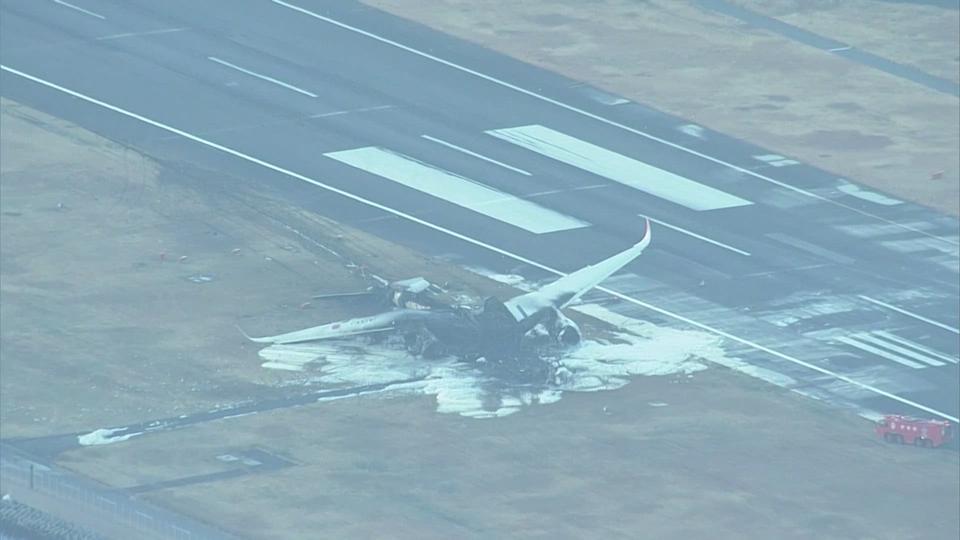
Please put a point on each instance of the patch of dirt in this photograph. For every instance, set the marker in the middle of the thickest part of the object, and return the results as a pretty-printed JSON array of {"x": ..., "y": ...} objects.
[
  {"x": 840, "y": 140},
  {"x": 911, "y": 33}
]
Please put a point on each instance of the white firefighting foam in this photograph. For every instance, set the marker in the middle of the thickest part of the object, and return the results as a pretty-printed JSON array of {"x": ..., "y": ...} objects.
[{"x": 635, "y": 348}]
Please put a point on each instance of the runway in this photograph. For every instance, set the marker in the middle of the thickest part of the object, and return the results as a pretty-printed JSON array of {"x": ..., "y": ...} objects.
[{"x": 845, "y": 294}]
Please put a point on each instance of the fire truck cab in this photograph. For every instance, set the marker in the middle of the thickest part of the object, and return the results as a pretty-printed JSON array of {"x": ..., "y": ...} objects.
[{"x": 900, "y": 429}]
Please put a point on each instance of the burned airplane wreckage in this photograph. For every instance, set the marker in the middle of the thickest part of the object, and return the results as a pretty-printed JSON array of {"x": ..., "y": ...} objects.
[{"x": 499, "y": 331}]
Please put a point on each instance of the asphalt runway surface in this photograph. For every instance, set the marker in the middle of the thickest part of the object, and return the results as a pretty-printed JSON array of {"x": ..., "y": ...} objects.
[{"x": 822, "y": 285}]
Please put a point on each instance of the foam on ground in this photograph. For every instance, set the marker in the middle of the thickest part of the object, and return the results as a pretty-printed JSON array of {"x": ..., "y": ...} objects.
[{"x": 636, "y": 348}]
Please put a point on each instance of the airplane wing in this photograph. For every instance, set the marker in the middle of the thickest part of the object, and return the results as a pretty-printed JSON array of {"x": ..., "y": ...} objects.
[
  {"x": 569, "y": 288},
  {"x": 382, "y": 322}
]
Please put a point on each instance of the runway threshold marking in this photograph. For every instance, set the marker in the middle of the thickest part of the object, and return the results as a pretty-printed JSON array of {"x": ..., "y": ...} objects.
[
  {"x": 470, "y": 240},
  {"x": 896, "y": 348},
  {"x": 459, "y": 190},
  {"x": 916, "y": 346},
  {"x": 901, "y": 346},
  {"x": 474, "y": 154},
  {"x": 624, "y": 170},
  {"x": 602, "y": 119},
  {"x": 849, "y": 340},
  {"x": 698, "y": 236},
  {"x": 909, "y": 314},
  {"x": 260, "y": 76},
  {"x": 80, "y": 9}
]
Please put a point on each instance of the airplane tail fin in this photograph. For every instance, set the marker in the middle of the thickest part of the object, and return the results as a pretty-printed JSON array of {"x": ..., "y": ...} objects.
[
  {"x": 569, "y": 288},
  {"x": 251, "y": 338}
]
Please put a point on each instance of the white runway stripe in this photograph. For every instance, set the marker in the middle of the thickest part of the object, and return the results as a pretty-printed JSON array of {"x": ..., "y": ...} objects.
[
  {"x": 476, "y": 155},
  {"x": 619, "y": 168},
  {"x": 893, "y": 347},
  {"x": 700, "y": 237},
  {"x": 457, "y": 189},
  {"x": 262, "y": 77},
  {"x": 80, "y": 9},
  {"x": 879, "y": 352},
  {"x": 916, "y": 346},
  {"x": 910, "y": 314}
]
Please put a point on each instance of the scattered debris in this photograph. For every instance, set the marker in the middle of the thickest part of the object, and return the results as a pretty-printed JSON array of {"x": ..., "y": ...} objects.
[
  {"x": 104, "y": 436},
  {"x": 692, "y": 129},
  {"x": 200, "y": 278},
  {"x": 871, "y": 196},
  {"x": 482, "y": 389}
]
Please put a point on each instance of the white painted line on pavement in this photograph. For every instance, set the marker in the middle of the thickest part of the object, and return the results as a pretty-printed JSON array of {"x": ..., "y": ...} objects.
[
  {"x": 879, "y": 340},
  {"x": 139, "y": 34},
  {"x": 917, "y": 346},
  {"x": 262, "y": 77},
  {"x": 479, "y": 243},
  {"x": 909, "y": 313},
  {"x": 80, "y": 9},
  {"x": 457, "y": 189},
  {"x": 565, "y": 190},
  {"x": 351, "y": 111},
  {"x": 695, "y": 235},
  {"x": 599, "y": 118},
  {"x": 474, "y": 154},
  {"x": 879, "y": 352},
  {"x": 618, "y": 167}
]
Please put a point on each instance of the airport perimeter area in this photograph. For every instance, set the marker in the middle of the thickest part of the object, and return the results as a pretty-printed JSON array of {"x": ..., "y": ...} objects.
[{"x": 131, "y": 404}]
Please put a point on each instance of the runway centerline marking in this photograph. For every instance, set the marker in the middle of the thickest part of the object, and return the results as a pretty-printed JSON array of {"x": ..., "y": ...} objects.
[
  {"x": 474, "y": 154},
  {"x": 80, "y": 9},
  {"x": 459, "y": 190},
  {"x": 565, "y": 190},
  {"x": 479, "y": 243},
  {"x": 698, "y": 236},
  {"x": 139, "y": 34},
  {"x": 909, "y": 314},
  {"x": 602, "y": 119},
  {"x": 261, "y": 76},
  {"x": 622, "y": 169},
  {"x": 351, "y": 111}
]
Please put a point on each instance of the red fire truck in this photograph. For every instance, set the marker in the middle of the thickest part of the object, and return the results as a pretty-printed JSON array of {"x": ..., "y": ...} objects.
[{"x": 900, "y": 429}]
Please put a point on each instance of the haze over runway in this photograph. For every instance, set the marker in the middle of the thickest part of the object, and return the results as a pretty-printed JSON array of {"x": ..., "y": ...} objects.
[{"x": 849, "y": 294}]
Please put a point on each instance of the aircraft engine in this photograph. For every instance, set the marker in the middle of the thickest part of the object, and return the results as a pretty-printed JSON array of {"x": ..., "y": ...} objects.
[{"x": 564, "y": 331}]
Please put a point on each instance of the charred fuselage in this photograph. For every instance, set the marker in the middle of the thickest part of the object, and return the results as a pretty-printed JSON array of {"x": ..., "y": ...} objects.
[{"x": 490, "y": 332}]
